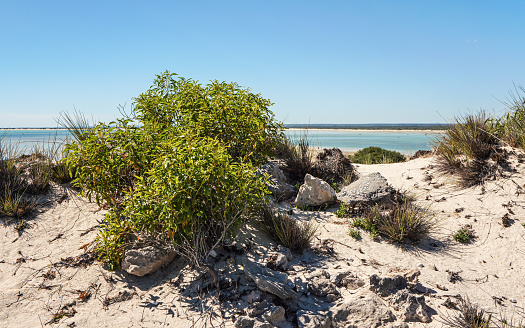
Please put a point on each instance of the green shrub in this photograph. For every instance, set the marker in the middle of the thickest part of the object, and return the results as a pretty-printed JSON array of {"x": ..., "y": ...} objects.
[
  {"x": 343, "y": 211},
  {"x": 182, "y": 170},
  {"x": 109, "y": 157},
  {"x": 239, "y": 119},
  {"x": 464, "y": 235},
  {"x": 398, "y": 222},
  {"x": 368, "y": 223},
  {"x": 377, "y": 155},
  {"x": 354, "y": 233}
]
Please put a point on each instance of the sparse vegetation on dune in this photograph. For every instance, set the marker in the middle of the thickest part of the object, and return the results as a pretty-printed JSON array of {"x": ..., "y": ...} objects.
[
  {"x": 22, "y": 176},
  {"x": 472, "y": 145}
]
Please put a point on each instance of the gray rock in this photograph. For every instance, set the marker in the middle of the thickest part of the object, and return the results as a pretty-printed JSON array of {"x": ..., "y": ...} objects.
[
  {"x": 412, "y": 307},
  {"x": 258, "y": 308},
  {"x": 254, "y": 296},
  {"x": 338, "y": 277},
  {"x": 362, "y": 312},
  {"x": 386, "y": 286},
  {"x": 285, "y": 251},
  {"x": 244, "y": 322},
  {"x": 307, "y": 319},
  {"x": 371, "y": 188},
  {"x": 275, "y": 315},
  {"x": 314, "y": 192},
  {"x": 277, "y": 184},
  {"x": 146, "y": 259},
  {"x": 263, "y": 325},
  {"x": 321, "y": 286},
  {"x": 268, "y": 280}
]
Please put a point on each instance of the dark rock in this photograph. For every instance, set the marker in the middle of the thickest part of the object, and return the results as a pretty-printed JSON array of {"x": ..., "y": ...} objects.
[
  {"x": 332, "y": 165},
  {"x": 258, "y": 308},
  {"x": 371, "y": 188},
  {"x": 277, "y": 184},
  {"x": 244, "y": 322},
  {"x": 144, "y": 260},
  {"x": 268, "y": 280},
  {"x": 386, "y": 286}
]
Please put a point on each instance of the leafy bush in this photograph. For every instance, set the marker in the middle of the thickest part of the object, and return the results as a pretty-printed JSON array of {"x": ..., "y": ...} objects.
[
  {"x": 343, "y": 211},
  {"x": 180, "y": 169},
  {"x": 194, "y": 194},
  {"x": 377, "y": 155},
  {"x": 286, "y": 230},
  {"x": 239, "y": 119},
  {"x": 109, "y": 157}
]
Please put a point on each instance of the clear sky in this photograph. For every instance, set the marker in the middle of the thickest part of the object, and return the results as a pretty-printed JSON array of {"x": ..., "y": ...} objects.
[{"x": 318, "y": 61}]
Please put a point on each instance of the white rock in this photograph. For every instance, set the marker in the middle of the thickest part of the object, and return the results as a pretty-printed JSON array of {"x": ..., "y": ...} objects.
[{"x": 314, "y": 192}]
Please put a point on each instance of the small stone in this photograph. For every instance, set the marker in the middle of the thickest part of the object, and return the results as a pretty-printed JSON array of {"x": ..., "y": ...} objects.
[
  {"x": 254, "y": 296},
  {"x": 244, "y": 322},
  {"x": 331, "y": 298},
  {"x": 420, "y": 265},
  {"x": 512, "y": 300},
  {"x": 275, "y": 315},
  {"x": 213, "y": 253}
]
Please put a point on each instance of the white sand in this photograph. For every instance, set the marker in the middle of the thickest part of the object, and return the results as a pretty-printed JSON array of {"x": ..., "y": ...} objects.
[{"x": 492, "y": 267}]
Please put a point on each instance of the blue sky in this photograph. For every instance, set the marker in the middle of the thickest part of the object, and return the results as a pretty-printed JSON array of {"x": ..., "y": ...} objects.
[{"x": 318, "y": 61}]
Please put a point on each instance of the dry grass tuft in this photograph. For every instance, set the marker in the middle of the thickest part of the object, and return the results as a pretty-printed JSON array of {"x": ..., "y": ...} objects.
[{"x": 286, "y": 230}]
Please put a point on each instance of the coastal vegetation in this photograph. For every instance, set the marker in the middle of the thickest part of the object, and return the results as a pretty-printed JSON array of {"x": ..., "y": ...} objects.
[
  {"x": 473, "y": 146},
  {"x": 180, "y": 168},
  {"x": 377, "y": 155}
]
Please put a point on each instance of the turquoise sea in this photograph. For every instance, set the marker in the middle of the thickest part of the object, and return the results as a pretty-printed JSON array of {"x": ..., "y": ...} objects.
[{"x": 405, "y": 141}]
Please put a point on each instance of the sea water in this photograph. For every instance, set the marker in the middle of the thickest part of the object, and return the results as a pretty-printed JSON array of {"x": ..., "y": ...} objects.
[{"x": 404, "y": 141}]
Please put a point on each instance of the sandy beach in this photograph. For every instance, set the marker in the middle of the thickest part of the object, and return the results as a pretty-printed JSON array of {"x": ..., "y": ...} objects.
[{"x": 46, "y": 278}]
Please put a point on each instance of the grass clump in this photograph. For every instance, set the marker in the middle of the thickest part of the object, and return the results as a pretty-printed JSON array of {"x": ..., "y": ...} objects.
[
  {"x": 399, "y": 220},
  {"x": 377, "y": 155},
  {"x": 469, "y": 150},
  {"x": 405, "y": 221},
  {"x": 298, "y": 157},
  {"x": 286, "y": 230},
  {"x": 468, "y": 316},
  {"x": 464, "y": 235}
]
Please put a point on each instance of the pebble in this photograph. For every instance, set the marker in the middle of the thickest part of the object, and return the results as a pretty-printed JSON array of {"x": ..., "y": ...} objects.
[
  {"x": 213, "y": 253},
  {"x": 512, "y": 300},
  {"x": 420, "y": 265}
]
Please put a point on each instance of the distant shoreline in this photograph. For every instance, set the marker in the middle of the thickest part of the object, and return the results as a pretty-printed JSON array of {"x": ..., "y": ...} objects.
[
  {"x": 368, "y": 127},
  {"x": 369, "y": 130}
]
